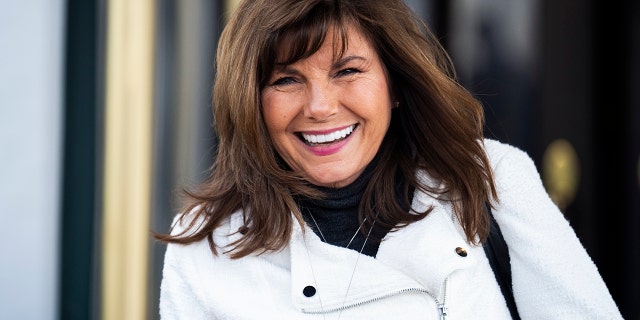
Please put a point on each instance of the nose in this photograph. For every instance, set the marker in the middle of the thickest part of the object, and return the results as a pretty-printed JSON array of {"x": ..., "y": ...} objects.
[{"x": 322, "y": 102}]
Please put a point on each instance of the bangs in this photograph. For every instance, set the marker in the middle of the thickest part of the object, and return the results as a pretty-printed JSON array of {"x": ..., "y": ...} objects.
[
  {"x": 298, "y": 43},
  {"x": 303, "y": 37}
]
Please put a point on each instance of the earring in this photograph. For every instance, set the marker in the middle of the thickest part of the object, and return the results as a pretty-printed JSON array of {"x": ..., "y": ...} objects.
[{"x": 396, "y": 104}]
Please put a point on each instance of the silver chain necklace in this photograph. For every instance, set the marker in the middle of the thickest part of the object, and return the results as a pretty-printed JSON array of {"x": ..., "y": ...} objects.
[
  {"x": 350, "y": 241},
  {"x": 354, "y": 266}
]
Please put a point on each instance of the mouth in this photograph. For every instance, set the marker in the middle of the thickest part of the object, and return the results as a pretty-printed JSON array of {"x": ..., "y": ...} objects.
[{"x": 326, "y": 138}]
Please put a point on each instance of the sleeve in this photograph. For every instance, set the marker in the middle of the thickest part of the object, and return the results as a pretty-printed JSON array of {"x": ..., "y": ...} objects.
[
  {"x": 553, "y": 275},
  {"x": 177, "y": 298}
]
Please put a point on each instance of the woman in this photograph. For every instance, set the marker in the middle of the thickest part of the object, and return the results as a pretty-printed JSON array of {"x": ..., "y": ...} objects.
[{"x": 351, "y": 180}]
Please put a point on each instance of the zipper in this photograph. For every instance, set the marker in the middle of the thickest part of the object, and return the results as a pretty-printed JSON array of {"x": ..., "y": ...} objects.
[
  {"x": 442, "y": 309},
  {"x": 442, "y": 306},
  {"x": 357, "y": 304}
]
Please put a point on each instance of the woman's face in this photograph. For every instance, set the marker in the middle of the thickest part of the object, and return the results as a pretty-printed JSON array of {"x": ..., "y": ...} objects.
[{"x": 327, "y": 117}]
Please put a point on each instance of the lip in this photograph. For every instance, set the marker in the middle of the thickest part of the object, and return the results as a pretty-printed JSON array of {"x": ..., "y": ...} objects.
[{"x": 328, "y": 149}]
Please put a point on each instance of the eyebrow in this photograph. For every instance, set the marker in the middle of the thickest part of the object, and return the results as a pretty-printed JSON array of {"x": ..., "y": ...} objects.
[
  {"x": 285, "y": 68},
  {"x": 340, "y": 63}
]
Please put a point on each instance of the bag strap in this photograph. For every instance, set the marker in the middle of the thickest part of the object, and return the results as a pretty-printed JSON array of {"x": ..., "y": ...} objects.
[{"x": 498, "y": 253}]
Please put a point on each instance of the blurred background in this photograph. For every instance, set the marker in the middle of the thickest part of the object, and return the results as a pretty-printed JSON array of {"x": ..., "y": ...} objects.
[{"x": 105, "y": 116}]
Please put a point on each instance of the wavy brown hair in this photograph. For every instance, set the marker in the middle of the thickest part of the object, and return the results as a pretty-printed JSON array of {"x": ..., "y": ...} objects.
[{"x": 437, "y": 129}]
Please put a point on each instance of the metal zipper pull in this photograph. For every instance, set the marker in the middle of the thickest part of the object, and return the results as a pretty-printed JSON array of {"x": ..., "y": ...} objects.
[
  {"x": 442, "y": 306},
  {"x": 443, "y": 311}
]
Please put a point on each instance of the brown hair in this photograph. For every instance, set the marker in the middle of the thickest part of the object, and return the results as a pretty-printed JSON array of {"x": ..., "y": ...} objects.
[{"x": 437, "y": 128}]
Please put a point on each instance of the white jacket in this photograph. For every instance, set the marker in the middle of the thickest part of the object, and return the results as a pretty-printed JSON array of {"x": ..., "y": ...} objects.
[{"x": 416, "y": 269}]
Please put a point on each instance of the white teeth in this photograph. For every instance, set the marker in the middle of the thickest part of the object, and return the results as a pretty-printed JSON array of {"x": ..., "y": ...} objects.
[{"x": 330, "y": 137}]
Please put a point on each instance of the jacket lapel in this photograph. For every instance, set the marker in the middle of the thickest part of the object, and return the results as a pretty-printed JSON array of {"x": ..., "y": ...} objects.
[
  {"x": 336, "y": 277},
  {"x": 418, "y": 257},
  {"x": 429, "y": 250}
]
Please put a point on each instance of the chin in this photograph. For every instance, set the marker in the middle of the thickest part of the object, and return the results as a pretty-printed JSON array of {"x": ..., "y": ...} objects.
[{"x": 332, "y": 182}]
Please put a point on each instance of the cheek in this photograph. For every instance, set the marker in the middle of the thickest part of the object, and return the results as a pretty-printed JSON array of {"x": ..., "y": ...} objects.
[
  {"x": 374, "y": 102},
  {"x": 270, "y": 112},
  {"x": 277, "y": 116}
]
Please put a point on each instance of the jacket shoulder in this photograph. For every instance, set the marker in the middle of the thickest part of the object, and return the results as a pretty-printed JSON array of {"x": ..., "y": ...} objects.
[
  {"x": 186, "y": 223},
  {"x": 514, "y": 171},
  {"x": 497, "y": 151}
]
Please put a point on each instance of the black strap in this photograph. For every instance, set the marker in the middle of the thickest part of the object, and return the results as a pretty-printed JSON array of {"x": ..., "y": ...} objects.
[{"x": 498, "y": 253}]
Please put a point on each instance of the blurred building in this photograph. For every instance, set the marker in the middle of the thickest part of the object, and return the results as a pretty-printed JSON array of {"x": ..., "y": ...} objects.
[{"x": 105, "y": 116}]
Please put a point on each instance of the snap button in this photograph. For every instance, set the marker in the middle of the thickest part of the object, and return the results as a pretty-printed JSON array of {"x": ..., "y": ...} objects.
[
  {"x": 309, "y": 291},
  {"x": 461, "y": 251}
]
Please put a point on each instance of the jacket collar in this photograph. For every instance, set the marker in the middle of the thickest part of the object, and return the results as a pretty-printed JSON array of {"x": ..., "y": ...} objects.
[{"x": 419, "y": 257}]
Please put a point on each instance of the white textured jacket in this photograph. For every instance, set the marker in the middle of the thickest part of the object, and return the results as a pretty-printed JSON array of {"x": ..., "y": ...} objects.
[{"x": 417, "y": 274}]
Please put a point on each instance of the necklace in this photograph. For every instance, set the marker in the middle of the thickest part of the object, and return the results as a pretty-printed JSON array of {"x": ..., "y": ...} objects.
[
  {"x": 354, "y": 266},
  {"x": 352, "y": 237}
]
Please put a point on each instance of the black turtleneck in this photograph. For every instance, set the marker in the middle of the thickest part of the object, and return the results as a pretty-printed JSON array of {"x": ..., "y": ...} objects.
[{"x": 337, "y": 215}]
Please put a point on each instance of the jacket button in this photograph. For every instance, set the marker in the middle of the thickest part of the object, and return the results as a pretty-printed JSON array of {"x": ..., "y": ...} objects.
[
  {"x": 461, "y": 251},
  {"x": 309, "y": 291}
]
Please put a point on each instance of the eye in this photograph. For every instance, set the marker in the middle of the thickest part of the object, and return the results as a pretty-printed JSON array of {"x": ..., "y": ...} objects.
[
  {"x": 347, "y": 72},
  {"x": 284, "y": 81}
]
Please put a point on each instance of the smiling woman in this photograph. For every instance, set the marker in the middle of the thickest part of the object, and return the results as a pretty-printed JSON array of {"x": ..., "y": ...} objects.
[
  {"x": 352, "y": 179},
  {"x": 327, "y": 115}
]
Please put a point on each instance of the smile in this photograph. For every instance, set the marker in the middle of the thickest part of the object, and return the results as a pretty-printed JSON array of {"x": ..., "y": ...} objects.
[{"x": 317, "y": 139}]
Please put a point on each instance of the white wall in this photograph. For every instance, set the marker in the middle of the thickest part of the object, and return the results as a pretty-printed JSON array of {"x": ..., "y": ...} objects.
[{"x": 31, "y": 87}]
